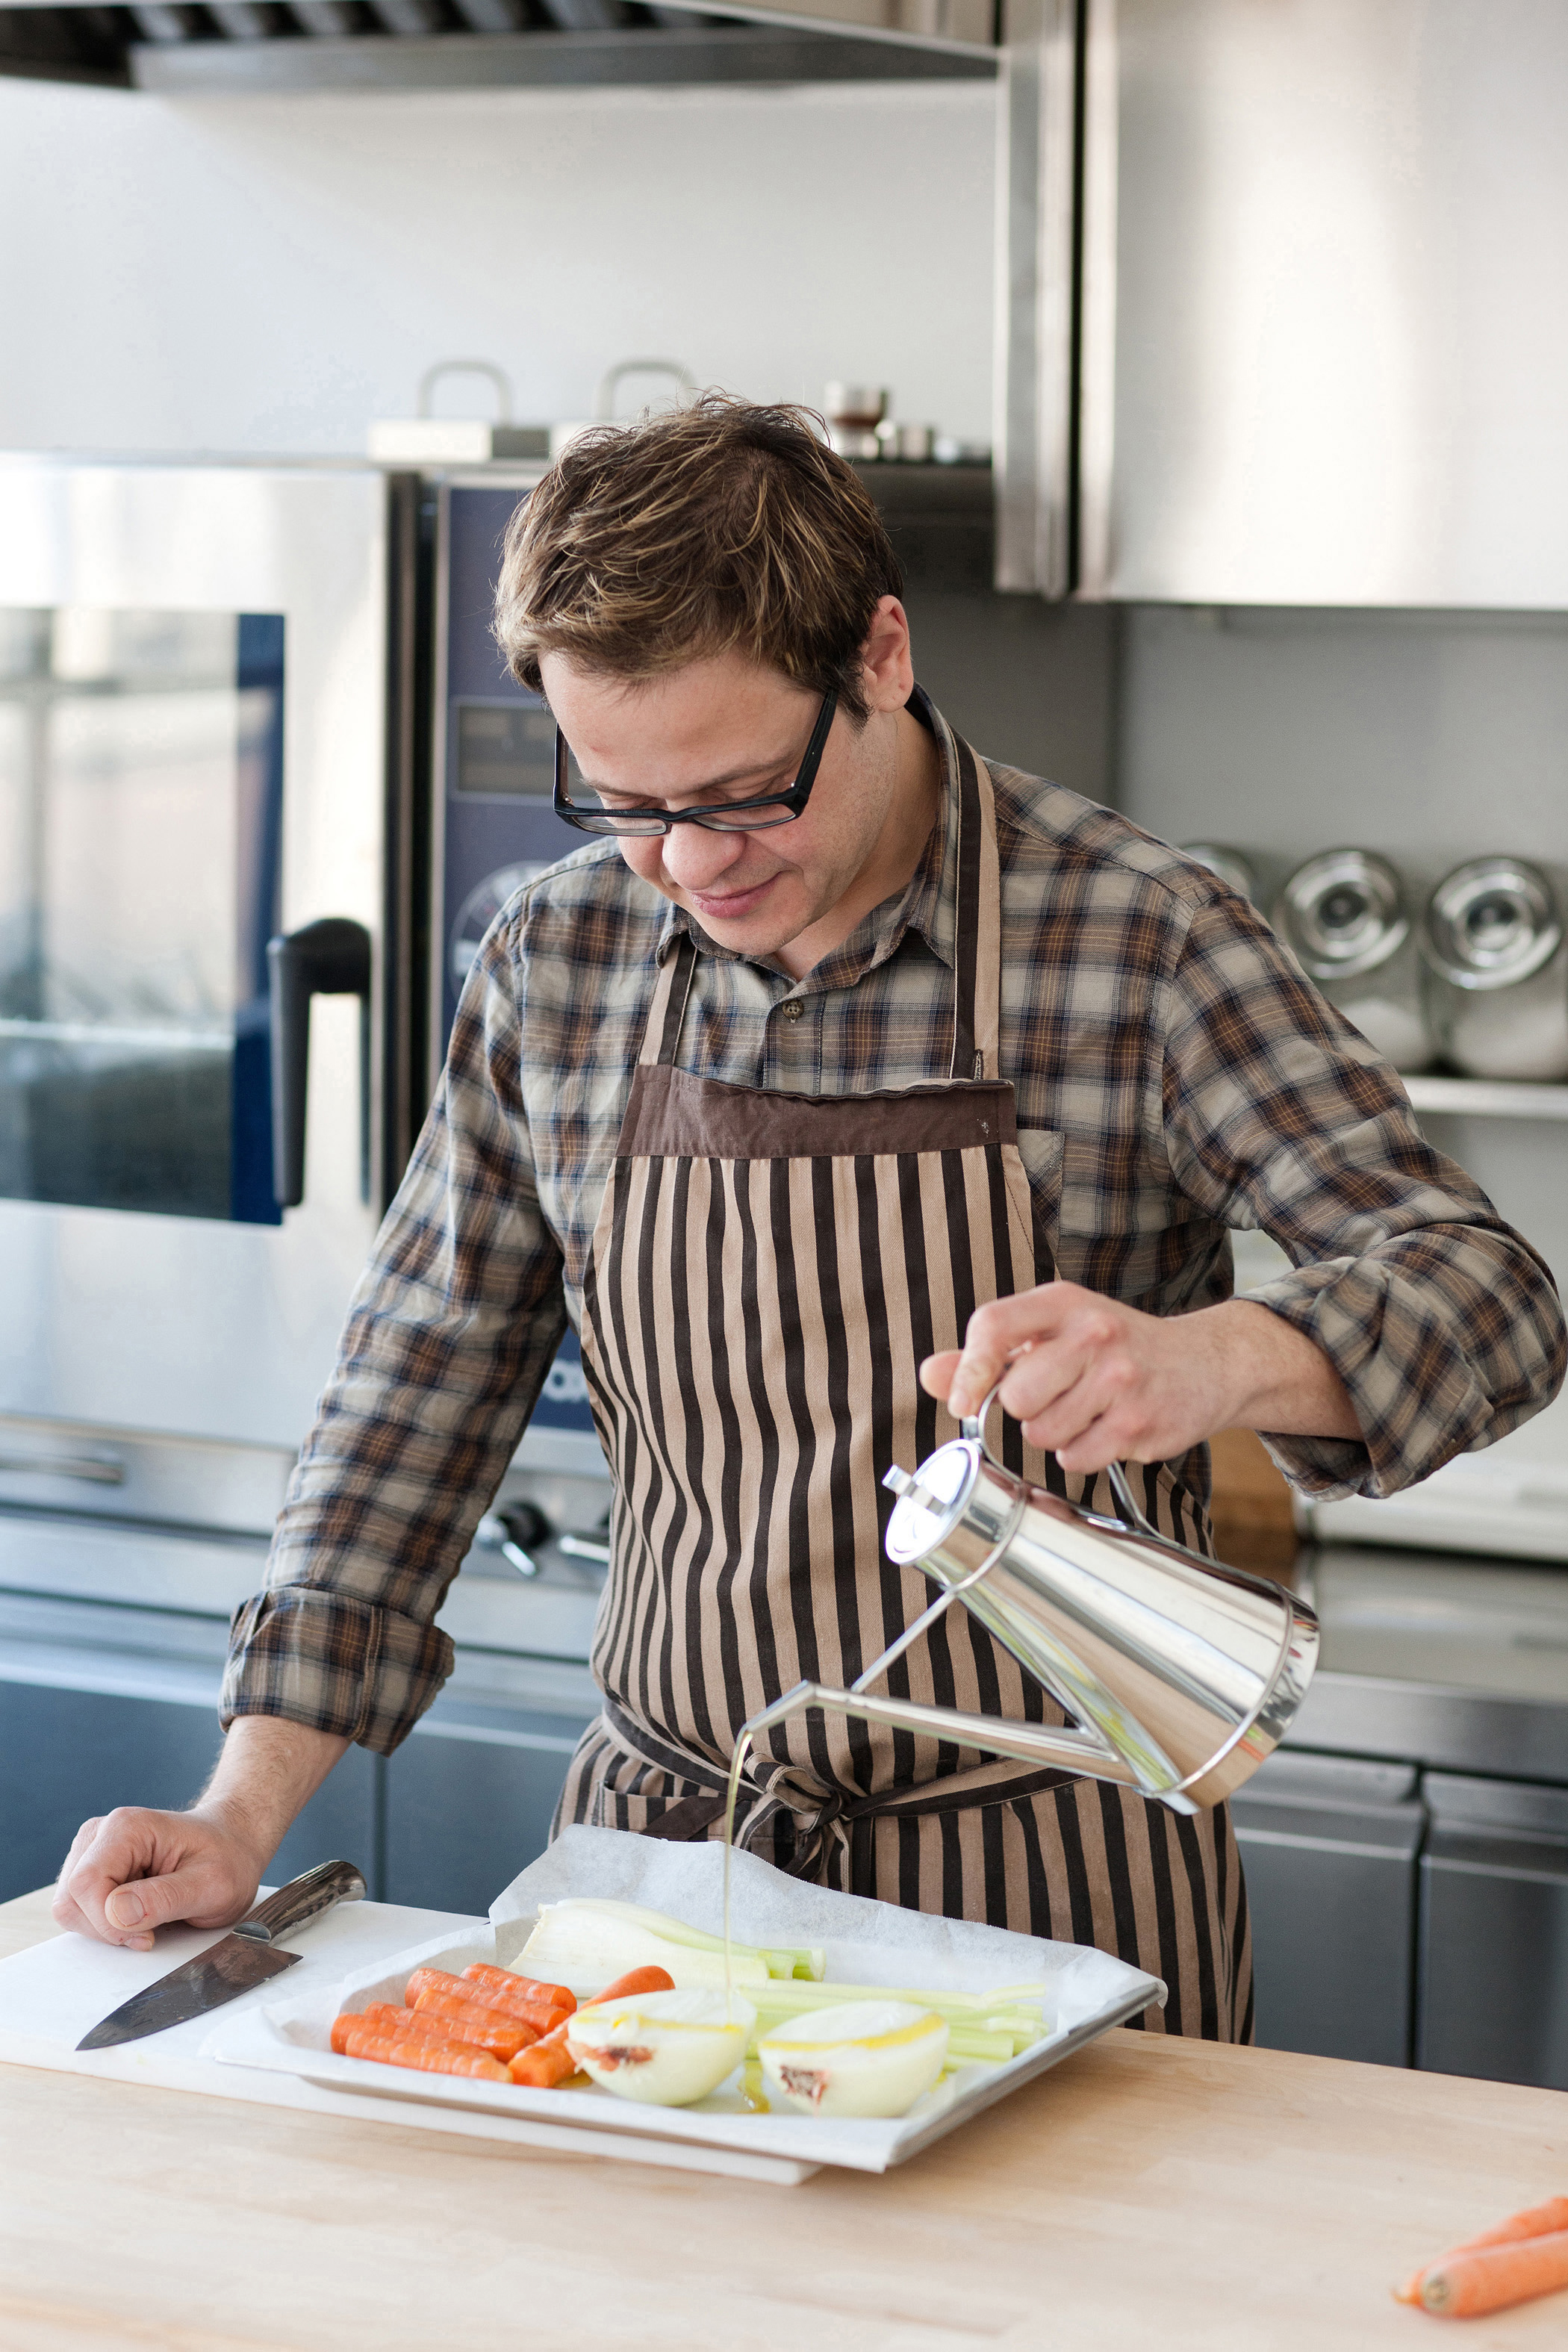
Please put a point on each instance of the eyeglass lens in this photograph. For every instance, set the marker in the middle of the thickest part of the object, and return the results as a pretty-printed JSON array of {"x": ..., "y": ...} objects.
[{"x": 741, "y": 815}]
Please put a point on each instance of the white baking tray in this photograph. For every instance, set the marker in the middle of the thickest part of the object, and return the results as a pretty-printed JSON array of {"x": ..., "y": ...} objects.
[{"x": 865, "y": 1943}]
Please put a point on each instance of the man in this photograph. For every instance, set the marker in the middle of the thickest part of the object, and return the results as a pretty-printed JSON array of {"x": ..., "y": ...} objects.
[{"x": 845, "y": 1063}]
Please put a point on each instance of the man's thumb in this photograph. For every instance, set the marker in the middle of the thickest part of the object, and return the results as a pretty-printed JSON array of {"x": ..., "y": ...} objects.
[{"x": 148, "y": 1902}]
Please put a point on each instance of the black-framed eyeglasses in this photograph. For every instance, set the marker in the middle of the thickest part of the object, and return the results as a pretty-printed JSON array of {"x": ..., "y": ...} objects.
[{"x": 717, "y": 816}]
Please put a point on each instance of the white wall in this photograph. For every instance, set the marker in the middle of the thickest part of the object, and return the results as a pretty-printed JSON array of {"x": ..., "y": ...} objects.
[
  {"x": 1430, "y": 736},
  {"x": 268, "y": 273}
]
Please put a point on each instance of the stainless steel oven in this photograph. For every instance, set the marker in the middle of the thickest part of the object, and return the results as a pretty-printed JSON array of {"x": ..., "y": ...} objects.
[
  {"x": 238, "y": 704},
  {"x": 195, "y": 674}
]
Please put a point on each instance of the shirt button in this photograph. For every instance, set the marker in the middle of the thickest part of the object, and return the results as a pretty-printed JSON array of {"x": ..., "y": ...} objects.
[{"x": 793, "y": 1009}]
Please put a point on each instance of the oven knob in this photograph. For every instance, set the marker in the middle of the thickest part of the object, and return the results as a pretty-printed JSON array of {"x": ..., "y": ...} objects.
[{"x": 516, "y": 1532}]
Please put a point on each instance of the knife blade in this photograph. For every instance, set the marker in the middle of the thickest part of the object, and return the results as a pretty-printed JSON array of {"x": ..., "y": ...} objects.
[{"x": 247, "y": 1957}]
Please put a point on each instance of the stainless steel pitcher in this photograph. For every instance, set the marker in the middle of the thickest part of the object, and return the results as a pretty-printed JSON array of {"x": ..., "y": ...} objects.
[{"x": 1183, "y": 1674}]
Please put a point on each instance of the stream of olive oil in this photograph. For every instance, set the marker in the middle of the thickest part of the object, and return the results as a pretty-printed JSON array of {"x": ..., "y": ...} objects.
[
  {"x": 751, "y": 2086},
  {"x": 737, "y": 1765}
]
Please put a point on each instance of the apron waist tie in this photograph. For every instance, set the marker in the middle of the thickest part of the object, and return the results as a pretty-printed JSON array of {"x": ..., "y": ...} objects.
[{"x": 821, "y": 1825}]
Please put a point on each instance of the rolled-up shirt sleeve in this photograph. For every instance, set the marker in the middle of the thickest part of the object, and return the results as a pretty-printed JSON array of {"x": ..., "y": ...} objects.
[
  {"x": 446, "y": 1343},
  {"x": 1442, "y": 1323}
]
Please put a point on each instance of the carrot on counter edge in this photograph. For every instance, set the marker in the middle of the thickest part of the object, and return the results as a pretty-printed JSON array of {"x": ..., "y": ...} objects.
[
  {"x": 1470, "y": 2282},
  {"x": 1530, "y": 2222}
]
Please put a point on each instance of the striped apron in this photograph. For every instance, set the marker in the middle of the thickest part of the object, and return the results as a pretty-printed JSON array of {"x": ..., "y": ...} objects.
[{"x": 767, "y": 1272}]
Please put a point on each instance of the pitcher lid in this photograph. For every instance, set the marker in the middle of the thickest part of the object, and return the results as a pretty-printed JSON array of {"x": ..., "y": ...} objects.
[{"x": 930, "y": 1507}]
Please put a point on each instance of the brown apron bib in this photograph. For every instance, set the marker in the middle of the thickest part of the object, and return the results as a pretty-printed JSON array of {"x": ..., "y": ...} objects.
[{"x": 768, "y": 1270}]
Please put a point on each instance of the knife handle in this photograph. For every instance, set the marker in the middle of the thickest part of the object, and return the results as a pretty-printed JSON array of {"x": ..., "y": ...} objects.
[{"x": 303, "y": 1899}]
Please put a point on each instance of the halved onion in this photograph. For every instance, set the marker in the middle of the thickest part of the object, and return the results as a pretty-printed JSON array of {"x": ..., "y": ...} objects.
[
  {"x": 859, "y": 2058},
  {"x": 663, "y": 2048}
]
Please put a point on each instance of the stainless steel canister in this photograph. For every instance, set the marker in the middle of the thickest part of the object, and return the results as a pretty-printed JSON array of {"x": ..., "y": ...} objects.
[
  {"x": 1496, "y": 971},
  {"x": 1343, "y": 918}
]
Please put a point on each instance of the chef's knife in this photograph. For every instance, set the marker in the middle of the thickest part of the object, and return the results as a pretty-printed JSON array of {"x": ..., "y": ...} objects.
[{"x": 246, "y": 1958}]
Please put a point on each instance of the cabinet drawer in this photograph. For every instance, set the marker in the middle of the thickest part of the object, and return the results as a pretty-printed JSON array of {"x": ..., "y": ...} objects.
[
  {"x": 470, "y": 1802},
  {"x": 1329, "y": 1848},
  {"x": 1494, "y": 1931},
  {"x": 70, "y": 1752}
]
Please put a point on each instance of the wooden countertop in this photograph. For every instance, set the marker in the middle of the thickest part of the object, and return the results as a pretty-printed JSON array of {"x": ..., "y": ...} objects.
[{"x": 1149, "y": 2196}]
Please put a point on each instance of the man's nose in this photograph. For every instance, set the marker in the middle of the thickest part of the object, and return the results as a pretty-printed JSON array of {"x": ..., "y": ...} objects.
[{"x": 695, "y": 857}]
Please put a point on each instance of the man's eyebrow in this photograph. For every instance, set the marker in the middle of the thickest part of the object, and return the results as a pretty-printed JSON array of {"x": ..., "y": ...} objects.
[{"x": 713, "y": 784}]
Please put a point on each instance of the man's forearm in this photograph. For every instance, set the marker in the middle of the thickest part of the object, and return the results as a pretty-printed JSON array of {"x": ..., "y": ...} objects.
[
  {"x": 1275, "y": 1377},
  {"x": 267, "y": 1772}
]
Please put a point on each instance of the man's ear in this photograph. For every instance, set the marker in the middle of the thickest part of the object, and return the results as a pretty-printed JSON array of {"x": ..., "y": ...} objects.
[{"x": 886, "y": 661}]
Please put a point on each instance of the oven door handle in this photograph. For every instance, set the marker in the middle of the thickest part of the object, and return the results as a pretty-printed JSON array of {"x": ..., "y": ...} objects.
[{"x": 329, "y": 958}]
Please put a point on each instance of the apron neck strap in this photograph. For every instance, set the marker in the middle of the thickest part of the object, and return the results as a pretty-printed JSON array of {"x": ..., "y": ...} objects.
[
  {"x": 977, "y": 924},
  {"x": 667, "y": 1010}
]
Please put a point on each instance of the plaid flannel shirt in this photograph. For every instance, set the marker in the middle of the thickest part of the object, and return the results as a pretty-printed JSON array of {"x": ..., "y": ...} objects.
[{"x": 1175, "y": 1077}]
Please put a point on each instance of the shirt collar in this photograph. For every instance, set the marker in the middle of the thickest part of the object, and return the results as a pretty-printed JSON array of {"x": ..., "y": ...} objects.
[{"x": 926, "y": 904}]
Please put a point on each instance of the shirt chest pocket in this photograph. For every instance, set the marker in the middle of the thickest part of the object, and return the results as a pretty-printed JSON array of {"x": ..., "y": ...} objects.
[{"x": 1041, "y": 1150}]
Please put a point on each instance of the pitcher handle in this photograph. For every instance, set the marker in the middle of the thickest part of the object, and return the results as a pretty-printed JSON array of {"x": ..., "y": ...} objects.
[
  {"x": 972, "y": 1424},
  {"x": 1133, "y": 1516},
  {"x": 1133, "y": 1511}
]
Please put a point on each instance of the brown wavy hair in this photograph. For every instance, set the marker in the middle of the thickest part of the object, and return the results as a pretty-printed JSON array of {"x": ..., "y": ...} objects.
[{"x": 722, "y": 527}]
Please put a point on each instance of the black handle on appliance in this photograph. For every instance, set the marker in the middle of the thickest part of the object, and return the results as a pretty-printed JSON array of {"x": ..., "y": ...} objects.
[{"x": 330, "y": 958}]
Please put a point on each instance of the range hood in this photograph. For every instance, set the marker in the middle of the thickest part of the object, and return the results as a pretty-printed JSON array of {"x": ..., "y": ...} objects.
[{"x": 177, "y": 47}]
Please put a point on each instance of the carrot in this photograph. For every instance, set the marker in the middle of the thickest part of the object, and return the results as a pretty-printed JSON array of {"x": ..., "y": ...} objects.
[
  {"x": 527, "y": 1990},
  {"x": 546, "y": 2065},
  {"x": 440, "y": 1981},
  {"x": 358, "y": 2040},
  {"x": 485, "y": 2029},
  {"x": 1535, "y": 2221},
  {"x": 1464, "y": 2284},
  {"x": 441, "y": 2021},
  {"x": 648, "y": 1980},
  {"x": 543, "y": 2016}
]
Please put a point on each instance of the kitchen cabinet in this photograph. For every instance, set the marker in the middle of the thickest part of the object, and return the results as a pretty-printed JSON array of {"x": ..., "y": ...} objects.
[
  {"x": 471, "y": 1792},
  {"x": 103, "y": 1729},
  {"x": 103, "y": 1706},
  {"x": 1320, "y": 362},
  {"x": 1494, "y": 1996},
  {"x": 1330, "y": 1846}
]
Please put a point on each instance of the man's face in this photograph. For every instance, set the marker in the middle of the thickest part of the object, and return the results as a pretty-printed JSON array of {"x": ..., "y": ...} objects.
[{"x": 724, "y": 729}]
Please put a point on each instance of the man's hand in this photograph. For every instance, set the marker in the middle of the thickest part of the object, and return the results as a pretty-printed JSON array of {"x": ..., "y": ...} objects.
[
  {"x": 135, "y": 1870},
  {"x": 1094, "y": 1382}
]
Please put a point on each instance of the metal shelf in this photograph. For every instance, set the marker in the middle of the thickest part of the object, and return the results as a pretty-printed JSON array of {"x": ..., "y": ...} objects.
[{"x": 1489, "y": 1098}]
